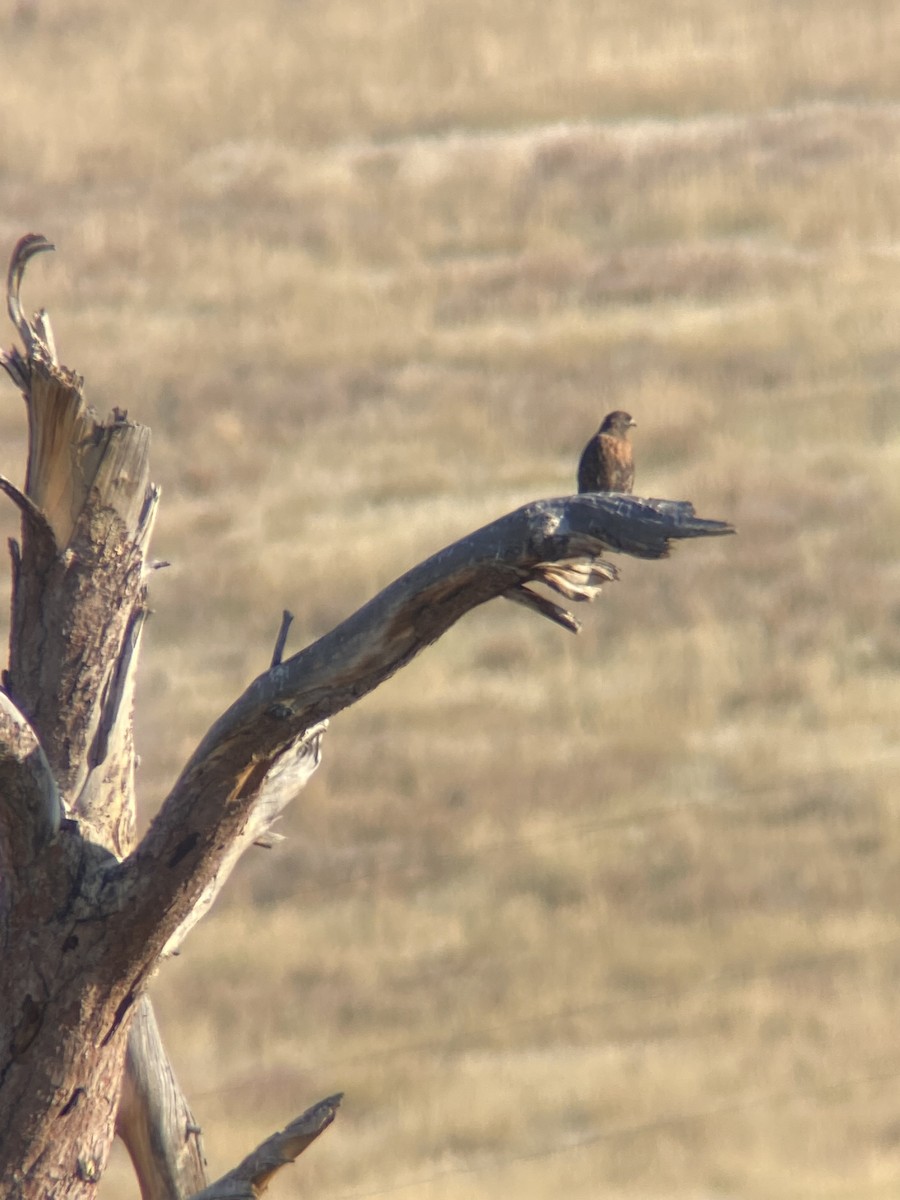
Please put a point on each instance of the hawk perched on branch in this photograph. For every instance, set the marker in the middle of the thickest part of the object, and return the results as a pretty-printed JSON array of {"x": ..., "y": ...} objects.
[{"x": 607, "y": 462}]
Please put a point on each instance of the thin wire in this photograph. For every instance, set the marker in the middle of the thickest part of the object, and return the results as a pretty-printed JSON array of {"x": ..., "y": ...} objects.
[
  {"x": 827, "y": 1093},
  {"x": 729, "y": 978},
  {"x": 736, "y": 977},
  {"x": 575, "y": 830}
]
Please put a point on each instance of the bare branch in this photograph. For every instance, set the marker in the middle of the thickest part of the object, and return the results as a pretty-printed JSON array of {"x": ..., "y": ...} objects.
[
  {"x": 210, "y": 803},
  {"x": 25, "y": 504},
  {"x": 250, "y": 1178},
  {"x": 287, "y": 619},
  {"x": 154, "y": 1120},
  {"x": 285, "y": 779},
  {"x": 30, "y": 808}
]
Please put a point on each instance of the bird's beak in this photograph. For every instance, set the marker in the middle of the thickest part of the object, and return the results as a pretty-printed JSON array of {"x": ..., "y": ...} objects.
[{"x": 632, "y": 424}]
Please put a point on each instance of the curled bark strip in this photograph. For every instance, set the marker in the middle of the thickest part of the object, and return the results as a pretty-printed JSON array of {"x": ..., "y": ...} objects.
[{"x": 26, "y": 248}]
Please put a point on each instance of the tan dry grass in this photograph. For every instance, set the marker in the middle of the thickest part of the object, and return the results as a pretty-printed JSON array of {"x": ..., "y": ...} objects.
[{"x": 613, "y": 916}]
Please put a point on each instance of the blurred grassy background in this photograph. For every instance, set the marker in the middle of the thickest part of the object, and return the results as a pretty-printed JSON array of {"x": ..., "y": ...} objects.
[{"x": 606, "y": 916}]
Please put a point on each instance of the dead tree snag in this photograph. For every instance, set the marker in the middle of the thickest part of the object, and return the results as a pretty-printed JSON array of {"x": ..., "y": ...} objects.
[{"x": 85, "y": 914}]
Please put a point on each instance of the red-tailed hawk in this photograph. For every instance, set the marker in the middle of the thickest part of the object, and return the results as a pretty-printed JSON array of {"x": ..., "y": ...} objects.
[{"x": 607, "y": 462}]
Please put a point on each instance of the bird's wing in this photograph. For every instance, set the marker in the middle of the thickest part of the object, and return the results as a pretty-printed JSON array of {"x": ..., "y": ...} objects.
[{"x": 589, "y": 467}]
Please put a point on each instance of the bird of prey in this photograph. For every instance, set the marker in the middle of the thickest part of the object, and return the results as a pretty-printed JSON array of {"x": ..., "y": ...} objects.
[{"x": 607, "y": 463}]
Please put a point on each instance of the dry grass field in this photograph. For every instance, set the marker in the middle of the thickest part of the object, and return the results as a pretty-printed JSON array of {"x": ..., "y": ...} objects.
[{"x": 606, "y": 916}]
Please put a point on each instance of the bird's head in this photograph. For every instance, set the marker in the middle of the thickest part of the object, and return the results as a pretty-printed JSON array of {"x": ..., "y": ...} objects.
[{"x": 618, "y": 423}]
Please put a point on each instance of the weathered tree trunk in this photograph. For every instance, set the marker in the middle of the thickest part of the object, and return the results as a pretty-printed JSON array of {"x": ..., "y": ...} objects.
[
  {"x": 77, "y": 609},
  {"x": 85, "y": 915}
]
